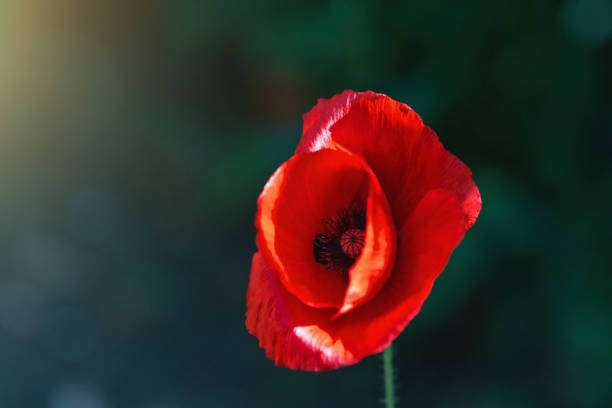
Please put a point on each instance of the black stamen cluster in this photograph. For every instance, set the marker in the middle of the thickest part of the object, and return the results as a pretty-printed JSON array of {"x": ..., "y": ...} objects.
[{"x": 326, "y": 245}]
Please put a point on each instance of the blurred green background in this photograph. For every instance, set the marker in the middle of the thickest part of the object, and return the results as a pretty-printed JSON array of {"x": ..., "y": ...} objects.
[{"x": 135, "y": 137}]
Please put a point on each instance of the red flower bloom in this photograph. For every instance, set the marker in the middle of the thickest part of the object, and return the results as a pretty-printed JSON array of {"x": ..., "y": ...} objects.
[{"x": 352, "y": 232}]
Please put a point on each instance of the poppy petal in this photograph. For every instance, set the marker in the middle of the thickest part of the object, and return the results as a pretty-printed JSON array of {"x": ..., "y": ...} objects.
[
  {"x": 315, "y": 132},
  {"x": 300, "y": 337},
  {"x": 405, "y": 155},
  {"x": 375, "y": 264},
  {"x": 276, "y": 317},
  {"x": 310, "y": 188}
]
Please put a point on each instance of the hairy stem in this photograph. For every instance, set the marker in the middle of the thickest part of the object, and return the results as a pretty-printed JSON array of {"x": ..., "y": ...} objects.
[{"x": 388, "y": 374}]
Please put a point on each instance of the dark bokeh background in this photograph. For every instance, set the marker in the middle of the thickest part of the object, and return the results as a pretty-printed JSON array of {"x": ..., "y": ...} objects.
[{"x": 135, "y": 137}]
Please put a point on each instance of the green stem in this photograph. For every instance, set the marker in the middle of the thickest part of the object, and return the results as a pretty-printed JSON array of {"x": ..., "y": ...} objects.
[{"x": 388, "y": 373}]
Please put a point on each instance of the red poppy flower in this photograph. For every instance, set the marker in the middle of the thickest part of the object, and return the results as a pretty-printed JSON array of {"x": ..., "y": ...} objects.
[{"x": 352, "y": 232}]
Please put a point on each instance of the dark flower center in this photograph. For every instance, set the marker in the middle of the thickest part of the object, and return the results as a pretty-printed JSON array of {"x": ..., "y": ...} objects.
[{"x": 342, "y": 240}]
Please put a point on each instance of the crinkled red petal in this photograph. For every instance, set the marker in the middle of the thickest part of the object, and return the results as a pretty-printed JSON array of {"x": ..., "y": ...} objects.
[
  {"x": 405, "y": 155},
  {"x": 301, "y": 337},
  {"x": 275, "y": 317},
  {"x": 305, "y": 190}
]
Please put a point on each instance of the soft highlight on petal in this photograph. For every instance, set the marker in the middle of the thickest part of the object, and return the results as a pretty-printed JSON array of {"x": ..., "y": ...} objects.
[
  {"x": 320, "y": 118},
  {"x": 283, "y": 324}
]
